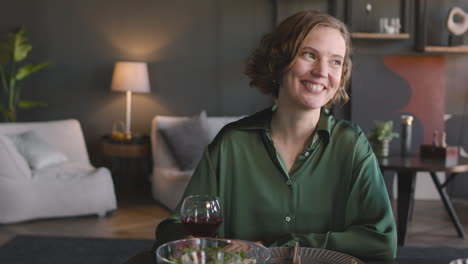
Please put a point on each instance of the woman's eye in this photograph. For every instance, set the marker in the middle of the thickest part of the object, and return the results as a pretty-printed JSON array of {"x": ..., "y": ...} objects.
[
  {"x": 309, "y": 55},
  {"x": 337, "y": 62}
]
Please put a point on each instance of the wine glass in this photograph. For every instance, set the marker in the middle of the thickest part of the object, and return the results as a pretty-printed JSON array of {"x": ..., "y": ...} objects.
[{"x": 201, "y": 215}]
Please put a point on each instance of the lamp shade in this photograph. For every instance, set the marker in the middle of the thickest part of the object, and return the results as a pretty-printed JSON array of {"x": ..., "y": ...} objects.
[{"x": 130, "y": 76}]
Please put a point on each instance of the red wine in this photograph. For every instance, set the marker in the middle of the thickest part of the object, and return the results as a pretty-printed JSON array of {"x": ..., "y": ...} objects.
[{"x": 202, "y": 226}]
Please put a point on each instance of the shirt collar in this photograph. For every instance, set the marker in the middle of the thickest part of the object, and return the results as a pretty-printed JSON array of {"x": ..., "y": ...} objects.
[{"x": 262, "y": 120}]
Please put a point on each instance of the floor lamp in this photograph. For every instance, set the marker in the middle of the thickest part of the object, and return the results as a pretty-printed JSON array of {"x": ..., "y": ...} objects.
[{"x": 130, "y": 77}]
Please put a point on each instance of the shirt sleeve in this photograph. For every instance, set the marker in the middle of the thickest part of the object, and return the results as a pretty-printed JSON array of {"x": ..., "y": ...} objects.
[
  {"x": 203, "y": 181},
  {"x": 369, "y": 224}
]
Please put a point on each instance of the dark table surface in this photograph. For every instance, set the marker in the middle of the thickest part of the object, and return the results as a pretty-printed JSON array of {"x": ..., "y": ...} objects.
[{"x": 415, "y": 163}]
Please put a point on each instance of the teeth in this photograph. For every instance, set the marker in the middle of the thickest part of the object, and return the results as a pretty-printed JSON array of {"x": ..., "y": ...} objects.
[
  {"x": 314, "y": 87},
  {"x": 317, "y": 88}
]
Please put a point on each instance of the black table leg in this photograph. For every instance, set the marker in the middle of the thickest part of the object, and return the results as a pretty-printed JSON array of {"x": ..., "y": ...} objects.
[
  {"x": 406, "y": 183},
  {"x": 448, "y": 205}
]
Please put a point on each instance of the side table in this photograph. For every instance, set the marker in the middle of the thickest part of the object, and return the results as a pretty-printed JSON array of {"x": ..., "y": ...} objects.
[
  {"x": 130, "y": 164},
  {"x": 406, "y": 169}
]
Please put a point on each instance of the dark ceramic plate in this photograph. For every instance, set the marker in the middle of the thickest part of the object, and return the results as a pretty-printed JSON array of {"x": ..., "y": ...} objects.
[{"x": 283, "y": 255}]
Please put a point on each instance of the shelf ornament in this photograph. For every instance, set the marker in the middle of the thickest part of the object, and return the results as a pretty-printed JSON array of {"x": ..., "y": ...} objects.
[{"x": 454, "y": 27}]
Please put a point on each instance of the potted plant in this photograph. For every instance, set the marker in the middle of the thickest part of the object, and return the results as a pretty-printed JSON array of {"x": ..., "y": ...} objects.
[
  {"x": 14, "y": 48},
  {"x": 381, "y": 136}
]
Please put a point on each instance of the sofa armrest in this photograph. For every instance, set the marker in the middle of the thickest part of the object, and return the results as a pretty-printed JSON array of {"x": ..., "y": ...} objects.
[
  {"x": 162, "y": 155},
  {"x": 168, "y": 185}
]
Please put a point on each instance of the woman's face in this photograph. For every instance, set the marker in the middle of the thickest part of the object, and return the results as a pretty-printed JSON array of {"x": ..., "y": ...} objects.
[{"x": 316, "y": 73}]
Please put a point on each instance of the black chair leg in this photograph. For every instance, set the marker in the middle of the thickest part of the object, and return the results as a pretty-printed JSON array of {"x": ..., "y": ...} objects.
[{"x": 448, "y": 205}]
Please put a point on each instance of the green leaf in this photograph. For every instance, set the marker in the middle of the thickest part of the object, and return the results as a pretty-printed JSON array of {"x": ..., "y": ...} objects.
[
  {"x": 382, "y": 131},
  {"x": 5, "y": 51},
  {"x": 21, "y": 48},
  {"x": 26, "y": 70},
  {"x": 24, "y": 104}
]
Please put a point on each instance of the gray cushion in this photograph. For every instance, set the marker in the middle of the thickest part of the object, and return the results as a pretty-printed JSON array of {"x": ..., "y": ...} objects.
[{"x": 187, "y": 140}]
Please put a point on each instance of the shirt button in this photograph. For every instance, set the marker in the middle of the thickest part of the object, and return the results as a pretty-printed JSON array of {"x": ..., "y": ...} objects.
[
  {"x": 288, "y": 218},
  {"x": 288, "y": 182},
  {"x": 307, "y": 154}
]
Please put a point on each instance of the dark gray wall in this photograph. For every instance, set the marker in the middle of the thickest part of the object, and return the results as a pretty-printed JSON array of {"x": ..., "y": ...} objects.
[{"x": 195, "y": 51}]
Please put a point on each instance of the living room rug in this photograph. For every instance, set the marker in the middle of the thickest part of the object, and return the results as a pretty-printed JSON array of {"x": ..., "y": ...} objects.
[{"x": 30, "y": 249}]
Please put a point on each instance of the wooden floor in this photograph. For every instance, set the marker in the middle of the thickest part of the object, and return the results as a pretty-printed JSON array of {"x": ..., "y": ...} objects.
[
  {"x": 131, "y": 220},
  {"x": 430, "y": 225}
]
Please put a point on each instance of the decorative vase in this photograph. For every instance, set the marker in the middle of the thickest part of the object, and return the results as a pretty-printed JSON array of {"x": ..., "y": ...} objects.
[{"x": 381, "y": 148}]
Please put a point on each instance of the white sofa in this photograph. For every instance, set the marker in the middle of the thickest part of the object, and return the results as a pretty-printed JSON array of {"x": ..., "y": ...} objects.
[
  {"x": 69, "y": 187},
  {"x": 168, "y": 179}
]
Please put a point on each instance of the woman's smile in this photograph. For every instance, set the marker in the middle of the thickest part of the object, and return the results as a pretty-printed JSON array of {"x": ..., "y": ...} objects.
[{"x": 313, "y": 87}]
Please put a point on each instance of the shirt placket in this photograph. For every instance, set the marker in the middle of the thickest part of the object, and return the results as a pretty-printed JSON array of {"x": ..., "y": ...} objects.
[
  {"x": 291, "y": 180},
  {"x": 294, "y": 180}
]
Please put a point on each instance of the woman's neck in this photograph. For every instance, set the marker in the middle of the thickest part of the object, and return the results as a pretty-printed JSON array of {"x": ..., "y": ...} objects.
[
  {"x": 294, "y": 125},
  {"x": 291, "y": 132}
]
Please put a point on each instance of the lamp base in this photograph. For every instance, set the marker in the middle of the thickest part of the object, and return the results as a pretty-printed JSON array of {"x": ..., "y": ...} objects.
[
  {"x": 128, "y": 135},
  {"x": 120, "y": 132}
]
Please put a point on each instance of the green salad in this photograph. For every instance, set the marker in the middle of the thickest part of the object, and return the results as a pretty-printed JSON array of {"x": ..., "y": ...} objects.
[{"x": 213, "y": 256}]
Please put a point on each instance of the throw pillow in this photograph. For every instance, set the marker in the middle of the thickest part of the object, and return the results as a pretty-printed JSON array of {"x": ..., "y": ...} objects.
[
  {"x": 37, "y": 152},
  {"x": 187, "y": 140},
  {"x": 11, "y": 161}
]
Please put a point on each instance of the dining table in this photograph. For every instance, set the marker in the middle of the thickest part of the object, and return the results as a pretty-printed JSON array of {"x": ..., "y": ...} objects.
[{"x": 406, "y": 168}]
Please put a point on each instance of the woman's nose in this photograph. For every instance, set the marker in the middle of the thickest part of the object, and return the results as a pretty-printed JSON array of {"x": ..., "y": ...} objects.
[{"x": 320, "y": 69}]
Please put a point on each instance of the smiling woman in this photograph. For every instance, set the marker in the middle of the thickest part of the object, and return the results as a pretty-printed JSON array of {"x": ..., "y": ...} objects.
[{"x": 293, "y": 173}]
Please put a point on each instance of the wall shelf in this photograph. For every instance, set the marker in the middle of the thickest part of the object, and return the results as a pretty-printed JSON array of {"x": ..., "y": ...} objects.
[
  {"x": 421, "y": 36},
  {"x": 361, "y": 21},
  {"x": 447, "y": 49},
  {"x": 361, "y": 35}
]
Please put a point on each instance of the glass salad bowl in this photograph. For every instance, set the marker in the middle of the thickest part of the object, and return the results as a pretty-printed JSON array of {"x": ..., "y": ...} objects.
[{"x": 236, "y": 251}]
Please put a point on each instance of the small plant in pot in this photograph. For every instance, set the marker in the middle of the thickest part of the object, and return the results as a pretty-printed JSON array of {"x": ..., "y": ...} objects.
[{"x": 381, "y": 136}]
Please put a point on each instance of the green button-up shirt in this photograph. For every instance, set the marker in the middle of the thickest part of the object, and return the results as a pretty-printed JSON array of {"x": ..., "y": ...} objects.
[{"x": 333, "y": 197}]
